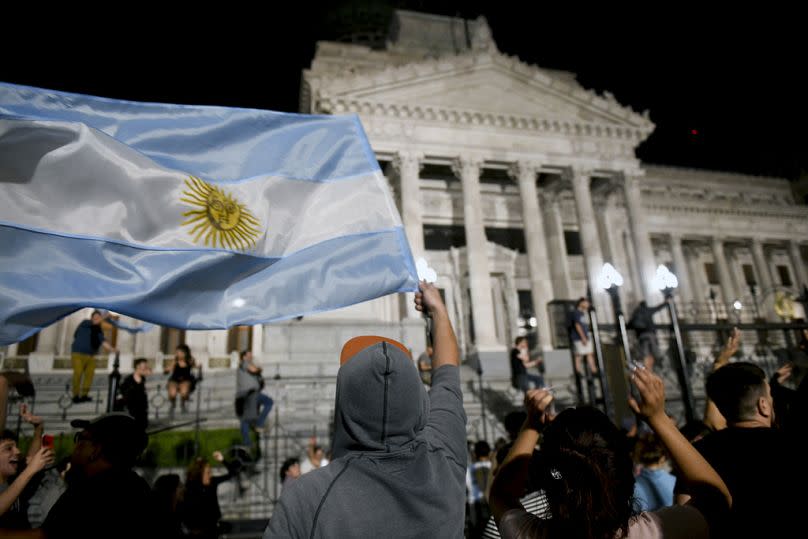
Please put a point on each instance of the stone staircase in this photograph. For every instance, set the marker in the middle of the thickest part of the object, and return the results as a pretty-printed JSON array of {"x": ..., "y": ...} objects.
[{"x": 303, "y": 393}]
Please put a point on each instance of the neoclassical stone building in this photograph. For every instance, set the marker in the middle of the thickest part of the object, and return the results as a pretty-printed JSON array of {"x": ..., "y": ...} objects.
[{"x": 516, "y": 184}]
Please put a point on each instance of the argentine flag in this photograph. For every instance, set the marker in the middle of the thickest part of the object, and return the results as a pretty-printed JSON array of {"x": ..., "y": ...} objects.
[{"x": 187, "y": 216}]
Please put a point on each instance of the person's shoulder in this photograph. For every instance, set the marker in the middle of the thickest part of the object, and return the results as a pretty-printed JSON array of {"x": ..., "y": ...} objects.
[
  {"x": 678, "y": 521},
  {"x": 309, "y": 487}
]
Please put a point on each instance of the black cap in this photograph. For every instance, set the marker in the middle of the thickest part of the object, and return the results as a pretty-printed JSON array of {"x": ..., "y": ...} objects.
[{"x": 119, "y": 435}]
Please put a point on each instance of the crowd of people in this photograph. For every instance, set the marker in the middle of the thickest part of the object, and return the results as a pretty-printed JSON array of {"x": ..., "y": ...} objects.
[{"x": 399, "y": 463}]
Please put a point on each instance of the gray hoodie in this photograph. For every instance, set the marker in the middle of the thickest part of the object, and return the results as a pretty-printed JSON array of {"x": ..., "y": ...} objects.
[{"x": 399, "y": 457}]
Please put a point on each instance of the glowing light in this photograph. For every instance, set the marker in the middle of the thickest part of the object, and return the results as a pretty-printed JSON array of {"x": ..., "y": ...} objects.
[
  {"x": 425, "y": 273},
  {"x": 609, "y": 277},
  {"x": 664, "y": 278}
]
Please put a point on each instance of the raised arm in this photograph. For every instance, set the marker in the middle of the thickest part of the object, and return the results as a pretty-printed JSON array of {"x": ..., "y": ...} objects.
[
  {"x": 38, "y": 424},
  {"x": 712, "y": 417},
  {"x": 444, "y": 343},
  {"x": 710, "y": 494},
  {"x": 509, "y": 482},
  {"x": 39, "y": 460}
]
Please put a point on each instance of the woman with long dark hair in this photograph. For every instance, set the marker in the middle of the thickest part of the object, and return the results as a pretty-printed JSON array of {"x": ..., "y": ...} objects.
[
  {"x": 200, "y": 512},
  {"x": 586, "y": 472}
]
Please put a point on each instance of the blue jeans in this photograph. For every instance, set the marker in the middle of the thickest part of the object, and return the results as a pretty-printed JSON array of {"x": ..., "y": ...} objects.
[
  {"x": 527, "y": 381},
  {"x": 265, "y": 406}
]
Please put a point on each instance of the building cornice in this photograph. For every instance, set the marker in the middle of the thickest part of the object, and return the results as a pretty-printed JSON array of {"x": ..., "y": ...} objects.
[
  {"x": 796, "y": 213},
  {"x": 464, "y": 118}
]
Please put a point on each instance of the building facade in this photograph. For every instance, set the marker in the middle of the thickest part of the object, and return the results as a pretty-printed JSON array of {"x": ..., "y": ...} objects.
[{"x": 516, "y": 184}]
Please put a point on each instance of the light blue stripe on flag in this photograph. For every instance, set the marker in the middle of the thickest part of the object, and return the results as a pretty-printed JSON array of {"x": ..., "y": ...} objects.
[
  {"x": 225, "y": 144},
  {"x": 122, "y": 206}
]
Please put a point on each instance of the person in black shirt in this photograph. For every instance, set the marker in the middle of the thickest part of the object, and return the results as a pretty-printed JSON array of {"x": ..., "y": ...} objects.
[
  {"x": 132, "y": 396},
  {"x": 755, "y": 460},
  {"x": 200, "y": 512},
  {"x": 104, "y": 497},
  {"x": 642, "y": 322},
  {"x": 520, "y": 363},
  {"x": 181, "y": 379}
]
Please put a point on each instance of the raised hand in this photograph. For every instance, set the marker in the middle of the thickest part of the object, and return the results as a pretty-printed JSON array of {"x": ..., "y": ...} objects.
[
  {"x": 428, "y": 300},
  {"x": 28, "y": 417},
  {"x": 40, "y": 459},
  {"x": 537, "y": 404},
  {"x": 652, "y": 394},
  {"x": 729, "y": 349},
  {"x": 784, "y": 372}
]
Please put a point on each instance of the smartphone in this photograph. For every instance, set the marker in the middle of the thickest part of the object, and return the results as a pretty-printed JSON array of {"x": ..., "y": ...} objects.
[
  {"x": 47, "y": 441},
  {"x": 633, "y": 391}
]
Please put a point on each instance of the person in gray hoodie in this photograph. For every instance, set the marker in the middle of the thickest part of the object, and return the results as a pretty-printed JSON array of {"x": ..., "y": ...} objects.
[{"x": 399, "y": 452}]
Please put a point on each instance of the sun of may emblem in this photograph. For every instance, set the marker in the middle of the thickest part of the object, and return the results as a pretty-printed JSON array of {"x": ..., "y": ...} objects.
[{"x": 218, "y": 217}]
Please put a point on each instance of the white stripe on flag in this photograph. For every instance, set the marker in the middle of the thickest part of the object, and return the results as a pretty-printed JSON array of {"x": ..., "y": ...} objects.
[
  {"x": 190, "y": 217},
  {"x": 74, "y": 180}
]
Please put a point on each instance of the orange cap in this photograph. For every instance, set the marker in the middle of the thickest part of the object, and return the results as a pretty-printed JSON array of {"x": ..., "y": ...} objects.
[{"x": 357, "y": 344}]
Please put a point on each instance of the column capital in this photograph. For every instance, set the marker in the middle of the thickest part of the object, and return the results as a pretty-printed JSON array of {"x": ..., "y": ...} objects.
[
  {"x": 631, "y": 182},
  {"x": 757, "y": 241},
  {"x": 579, "y": 173},
  {"x": 407, "y": 159},
  {"x": 523, "y": 168},
  {"x": 549, "y": 197},
  {"x": 467, "y": 165}
]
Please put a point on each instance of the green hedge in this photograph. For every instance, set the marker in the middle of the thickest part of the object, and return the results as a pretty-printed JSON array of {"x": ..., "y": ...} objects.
[{"x": 166, "y": 449}]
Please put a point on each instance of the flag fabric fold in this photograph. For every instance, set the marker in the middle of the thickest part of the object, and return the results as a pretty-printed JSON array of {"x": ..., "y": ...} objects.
[{"x": 192, "y": 217}]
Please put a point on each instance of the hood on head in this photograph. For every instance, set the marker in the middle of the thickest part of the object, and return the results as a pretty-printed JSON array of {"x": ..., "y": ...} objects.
[{"x": 381, "y": 404}]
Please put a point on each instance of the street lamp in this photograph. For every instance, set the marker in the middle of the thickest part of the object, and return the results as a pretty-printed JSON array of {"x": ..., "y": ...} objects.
[
  {"x": 753, "y": 289},
  {"x": 610, "y": 280},
  {"x": 666, "y": 282},
  {"x": 738, "y": 306}
]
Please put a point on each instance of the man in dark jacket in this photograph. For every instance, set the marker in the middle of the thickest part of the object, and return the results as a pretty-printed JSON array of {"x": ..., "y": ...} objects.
[
  {"x": 642, "y": 322},
  {"x": 399, "y": 453}
]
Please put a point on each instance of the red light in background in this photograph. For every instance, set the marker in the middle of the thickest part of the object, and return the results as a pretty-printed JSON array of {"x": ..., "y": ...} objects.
[{"x": 694, "y": 131}]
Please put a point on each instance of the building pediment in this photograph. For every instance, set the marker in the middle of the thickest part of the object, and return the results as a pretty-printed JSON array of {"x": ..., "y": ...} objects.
[{"x": 483, "y": 83}]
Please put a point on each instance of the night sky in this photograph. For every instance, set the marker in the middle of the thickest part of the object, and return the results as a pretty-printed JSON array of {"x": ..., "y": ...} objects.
[{"x": 725, "y": 90}]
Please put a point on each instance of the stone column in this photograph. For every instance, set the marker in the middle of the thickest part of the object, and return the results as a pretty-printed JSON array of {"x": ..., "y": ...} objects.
[
  {"x": 590, "y": 243},
  {"x": 765, "y": 282},
  {"x": 606, "y": 227},
  {"x": 800, "y": 274},
  {"x": 482, "y": 306},
  {"x": 698, "y": 279},
  {"x": 725, "y": 279},
  {"x": 48, "y": 339},
  {"x": 682, "y": 272},
  {"x": 540, "y": 284},
  {"x": 407, "y": 165},
  {"x": 559, "y": 263},
  {"x": 640, "y": 239}
]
